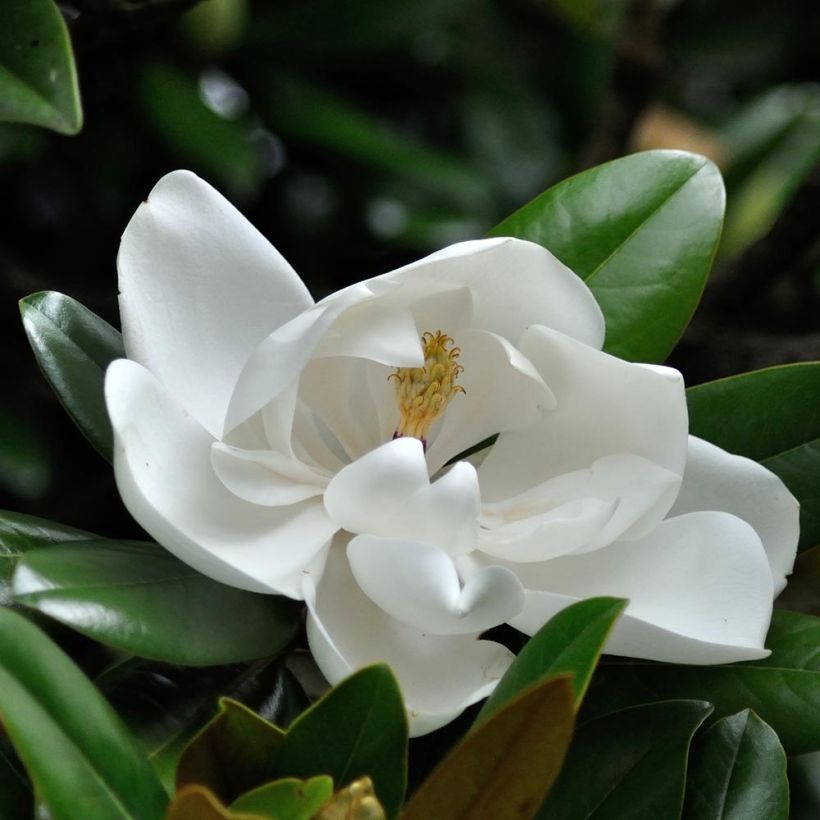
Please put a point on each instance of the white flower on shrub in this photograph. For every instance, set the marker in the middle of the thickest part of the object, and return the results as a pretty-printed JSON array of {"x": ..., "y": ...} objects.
[{"x": 425, "y": 455}]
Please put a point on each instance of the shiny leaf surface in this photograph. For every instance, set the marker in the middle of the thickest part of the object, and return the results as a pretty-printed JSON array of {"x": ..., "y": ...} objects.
[{"x": 291, "y": 798}]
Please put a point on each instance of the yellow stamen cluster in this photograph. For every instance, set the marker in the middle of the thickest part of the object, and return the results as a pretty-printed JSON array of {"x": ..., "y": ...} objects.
[{"x": 423, "y": 393}]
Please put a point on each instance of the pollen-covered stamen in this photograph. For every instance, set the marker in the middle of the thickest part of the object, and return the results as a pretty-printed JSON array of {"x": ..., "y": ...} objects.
[{"x": 423, "y": 393}]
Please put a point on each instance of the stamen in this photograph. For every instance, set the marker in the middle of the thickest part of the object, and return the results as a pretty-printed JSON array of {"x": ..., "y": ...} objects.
[{"x": 423, "y": 393}]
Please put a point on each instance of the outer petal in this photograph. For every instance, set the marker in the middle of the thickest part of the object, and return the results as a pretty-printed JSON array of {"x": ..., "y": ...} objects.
[
  {"x": 717, "y": 480},
  {"x": 699, "y": 588},
  {"x": 514, "y": 284},
  {"x": 387, "y": 492},
  {"x": 164, "y": 474},
  {"x": 440, "y": 676},
  {"x": 605, "y": 406},
  {"x": 200, "y": 287},
  {"x": 418, "y": 585}
]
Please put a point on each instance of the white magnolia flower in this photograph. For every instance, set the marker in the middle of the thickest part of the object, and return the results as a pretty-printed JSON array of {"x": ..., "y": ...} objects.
[{"x": 318, "y": 451}]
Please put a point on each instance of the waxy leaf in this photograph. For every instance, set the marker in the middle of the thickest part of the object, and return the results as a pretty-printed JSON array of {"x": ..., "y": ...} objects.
[
  {"x": 137, "y": 597},
  {"x": 38, "y": 80},
  {"x": 783, "y": 689},
  {"x": 738, "y": 770},
  {"x": 198, "y": 803},
  {"x": 20, "y": 533},
  {"x": 80, "y": 756},
  {"x": 358, "y": 728},
  {"x": 630, "y": 763},
  {"x": 234, "y": 753},
  {"x": 73, "y": 347},
  {"x": 291, "y": 798},
  {"x": 505, "y": 766},
  {"x": 770, "y": 416},
  {"x": 570, "y": 642},
  {"x": 641, "y": 231}
]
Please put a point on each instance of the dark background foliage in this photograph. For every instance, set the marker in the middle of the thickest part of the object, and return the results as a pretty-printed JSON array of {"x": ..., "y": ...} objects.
[{"x": 360, "y": 135}]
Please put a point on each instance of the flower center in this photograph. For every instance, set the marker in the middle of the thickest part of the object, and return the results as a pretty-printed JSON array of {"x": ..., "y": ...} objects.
[{"x": 423, "y": 393}]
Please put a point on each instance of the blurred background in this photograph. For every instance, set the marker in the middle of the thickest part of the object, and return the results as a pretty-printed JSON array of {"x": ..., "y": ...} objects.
[{"x": 361, "y": 135}]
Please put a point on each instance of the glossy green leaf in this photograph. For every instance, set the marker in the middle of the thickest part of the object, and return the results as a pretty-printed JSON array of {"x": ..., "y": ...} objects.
[
  {"x": 768, "y": 415},
  {"x": 505, "y": 767},
  {"x": 80, "y": 756},
  {"x": 73, "y": 347},
  {"x": 289, "y": 797},
  {"x": 221, "y": 148},
  {"x": 234, "y": 753},
  {"x": 358, "y": 728},
  {"x": 20, "y": 533},
  {"x": 570, "y": 642},
  {"x": 631, "y": 763},
  {"x": 199, "y": 803},
  {"x": 641, "y": 232},
  {"x": 38, "y": 79},
  {"x": 138, "y": 598},
  {"x": 738, "y": 772},
  {"x": 166, "y": 706},
  {"x": 783, "y": 689}
]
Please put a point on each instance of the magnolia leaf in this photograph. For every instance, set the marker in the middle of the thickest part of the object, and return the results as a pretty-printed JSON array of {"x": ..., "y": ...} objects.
[
  {"x": 359, "y": 728},
  {"x": 630, "y": 763},
  {"x": 570, "y": 642},
  {"x": 505, "y": 766},
  {"x": 81, "y": 758},
  {"x": 198, "y": 803},
  {"x": 738, "y": 771},
  {"x": 20, "y": 533},
  {"x": 73, "y": 347},
  {"x": 357, "y": 802},
  {"x": 234, "y": 753},
  {"x": 139, "y": 598},
  {"x": 764, "y": 415},
  {"x": 641, "y": 231},
  {"x": 291, "y": 798},
  {"x": 38, "y": 79},
  {"x": 783, "y": 689}
]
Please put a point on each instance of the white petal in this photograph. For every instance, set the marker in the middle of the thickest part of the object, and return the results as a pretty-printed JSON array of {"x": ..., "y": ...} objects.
[
  {"x": 605, "y": 406},
  {"x": 164, "y": 474},
  {"x": 502, "y": 391},
  {"x": 276, "y": 363},
  {"x": 699, "y": 590},
  {"x": 717, "y": 480},
  {"x": 418, "y": 585},
  {"x": 265, "y": 477},
  {"x": 387, "y": 492},
  {"x": 440, "y": 676},
  {"x": 513, "y": 284},
  {"x": 200, "y": 287},
  {"x": 620, "y": 496}
]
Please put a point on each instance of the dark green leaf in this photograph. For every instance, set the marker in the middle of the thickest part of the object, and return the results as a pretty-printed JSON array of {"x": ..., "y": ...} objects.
[
  {"x": 505, "y": 767},
  {"x": 291, "y": 798},
  {"x": 358, "y": 728},
  {"x": 16, "y": 793},
  {"x": 20, "y": 533},
  {"x": 738, "y": 771},
  {"x": 138, "y": 598},
  {"x": 82, "y": 759},
  {"x": 765, "y": 415},
  {"x": 570, "y": 642},
  {"x": 784, "y": 689},
  {"x": 642, "y": 232},
  {"x": 234, "y": 753},
  {"x": 73, "y": 347},
  {"x": 630, "y": 763},
  {"x": 38, "y": 80}
]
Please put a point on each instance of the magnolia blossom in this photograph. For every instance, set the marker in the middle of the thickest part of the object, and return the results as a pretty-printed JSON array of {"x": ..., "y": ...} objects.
[{"x": 426, "y": 455}]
